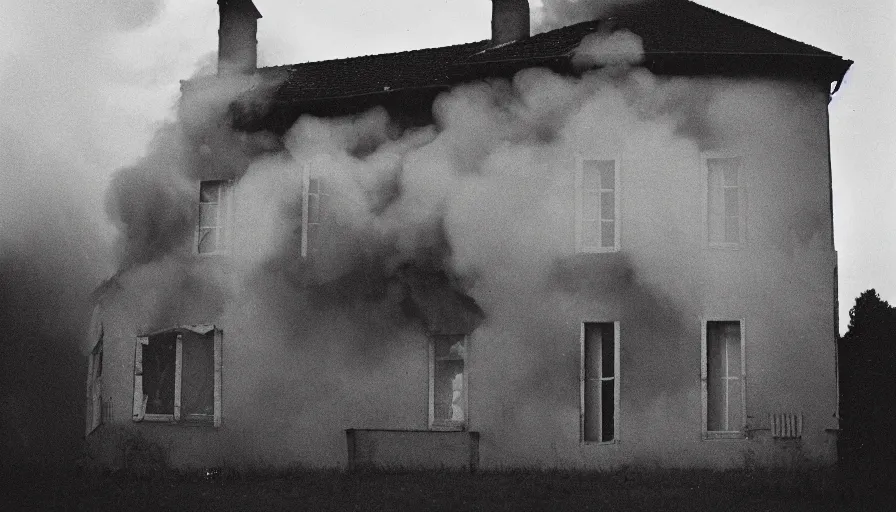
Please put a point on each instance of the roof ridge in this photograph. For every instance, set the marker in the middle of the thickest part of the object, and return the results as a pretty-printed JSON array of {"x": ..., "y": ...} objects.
[{"x": 374, "y": 55}]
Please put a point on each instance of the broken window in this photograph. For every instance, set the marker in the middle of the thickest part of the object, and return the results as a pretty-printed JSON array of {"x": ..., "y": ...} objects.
[
  {"x": 600, "y": 382},
  {"x": 95, "y": 387},
  {"x": 723, "y": 379},
  {"x": 725, "y": 219},
  {"x": 177, "y": 376},
  {"x": 597, "y": 211},
  {"x": 214, "y": 207},
  {"x": 447, "y": 387},
  {"x": 315, "y": 199}
]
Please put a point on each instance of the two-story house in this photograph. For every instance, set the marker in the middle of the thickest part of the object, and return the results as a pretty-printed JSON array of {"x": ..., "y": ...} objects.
[{"x": 605, "y": 244}]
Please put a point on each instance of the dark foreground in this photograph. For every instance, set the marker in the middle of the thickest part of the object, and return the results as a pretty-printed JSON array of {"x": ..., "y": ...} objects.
[{"x": 630, "y": 489}]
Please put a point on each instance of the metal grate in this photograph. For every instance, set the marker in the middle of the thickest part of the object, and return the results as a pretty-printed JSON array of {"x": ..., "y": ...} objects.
[{"x": 786, "y": 426}]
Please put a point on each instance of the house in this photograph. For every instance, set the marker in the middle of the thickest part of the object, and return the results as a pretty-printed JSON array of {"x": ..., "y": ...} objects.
[{"x": 602, "y": 245}]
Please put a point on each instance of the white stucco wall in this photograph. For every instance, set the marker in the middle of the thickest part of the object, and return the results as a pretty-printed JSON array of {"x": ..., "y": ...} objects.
[{"x": 290, "y": 388}]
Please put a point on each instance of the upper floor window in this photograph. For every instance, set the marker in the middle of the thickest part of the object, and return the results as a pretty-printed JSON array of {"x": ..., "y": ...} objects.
[
  {"x": 214, "y": 209},
  {"x": 177, "y": 376},
  {"x": 597, "y": 206},
  {"x": 725, "y": 224},
  {"x": 315, "y": 199}
]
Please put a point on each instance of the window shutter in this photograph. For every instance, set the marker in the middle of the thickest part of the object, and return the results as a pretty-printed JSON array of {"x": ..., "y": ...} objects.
[
  {"x": 578, "y": 186},
  {"x": 139, "y": 398},
  {"x": 703, "y": 388},
  {"x": 582, "y": 381},
  {"x": 218, "y": 363},
  {"x": 178, "y": 372},
  {"x": 306, "y": 186},
  {"x": 88, "y": 404},
  {"x": 743, "y": 371}
]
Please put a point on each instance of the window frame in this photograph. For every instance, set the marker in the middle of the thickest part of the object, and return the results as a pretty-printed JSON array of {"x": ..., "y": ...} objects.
[
  {"x": 448, "y": 425},
  {"x": 705, "y": 157},
  {"x": 307, "y": 251},
  {"x": 583, "y": 378},
  {"x": 704, "y": 384},
  {"x": 617, "y": 224},
  {"x": 228, "y": 215},
  {"x": 139, "y": 404},
  {"x": 94, "y": 413}
]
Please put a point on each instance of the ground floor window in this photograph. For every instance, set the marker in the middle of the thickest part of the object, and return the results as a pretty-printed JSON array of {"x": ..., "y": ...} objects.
[
  {"x": 447, "y": 382},
  {"x": 600, "y": 382},
  {"x": 177, "y": 376},
  {"x": 723, "y": 376}
]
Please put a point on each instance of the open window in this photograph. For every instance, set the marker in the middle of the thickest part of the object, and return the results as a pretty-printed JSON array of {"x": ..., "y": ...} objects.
[
  {"x": 597, "y": 206},
  {"x": 212, "y": 231},
  {"x": 447, "y": 382},
  {"x": 600, "y": 382},
  {"x": 177, "y": 376},
  {"x": 723, "y": 376},
  {"x": 725, "y": 202},
  {"x": 315, "y": 202},
  {"x": 94, "y": 411}
]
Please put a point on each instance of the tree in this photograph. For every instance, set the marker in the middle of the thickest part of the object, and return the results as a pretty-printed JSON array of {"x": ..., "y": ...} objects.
[{"x": 867, "y": 372}]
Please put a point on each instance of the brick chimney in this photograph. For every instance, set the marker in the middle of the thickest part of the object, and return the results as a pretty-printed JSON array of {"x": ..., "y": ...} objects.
[
  {"x": 510, "y": 20},
  {"x": 237, "y": 46}
]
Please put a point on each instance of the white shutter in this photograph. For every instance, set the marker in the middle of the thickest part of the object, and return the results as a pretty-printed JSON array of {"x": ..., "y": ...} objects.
[
  {"x": 178, "y": 372},
  {"x": 218, "y": 364},
  {"x": 306, "y": 186},
  {"x": 139, "y": 397}
]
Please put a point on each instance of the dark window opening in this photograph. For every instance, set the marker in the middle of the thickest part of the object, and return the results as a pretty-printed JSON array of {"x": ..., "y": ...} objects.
[
  {"x": 599, "y": 386},
  {"x": 159, "y": 358}
]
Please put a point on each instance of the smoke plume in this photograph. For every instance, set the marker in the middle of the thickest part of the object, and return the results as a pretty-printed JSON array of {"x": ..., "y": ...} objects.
[
  {"x": 60, "y": 134},
  {"x": 554, "y": 14}
]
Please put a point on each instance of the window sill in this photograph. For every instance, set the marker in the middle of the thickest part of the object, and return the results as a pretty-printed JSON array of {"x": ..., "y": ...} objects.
[
  {"x": 724, "y": 247},
  {"x": 194, "y": 421},
  {"x": 602, "y": 250},
  {"x": 157, "y": 418},
  {"x": 601, "y": 443},
  {"x": 735, "y": 436},
  {"x": 447, "y": 427}
]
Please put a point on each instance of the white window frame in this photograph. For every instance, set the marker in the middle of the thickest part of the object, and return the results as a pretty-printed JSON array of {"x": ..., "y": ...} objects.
[
  {"x": 580, "y": 168},
  {"x": 225, "y": 213},
  {"x": 307, "y": 250},
  {"x": 448, "y": 425},
  {"x": 723, "y": 434},
  {"x": 94, "y": 414},
  {"x": 705, "y": 157},
  {"x": 583, "y": 378},
  {"x": 139, "y": 412}
]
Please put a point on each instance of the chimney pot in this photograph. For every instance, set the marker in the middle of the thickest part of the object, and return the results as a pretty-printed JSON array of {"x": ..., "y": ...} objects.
[
  {"x": 237, "y": 43},
  {"x": 510, "y": 20}
]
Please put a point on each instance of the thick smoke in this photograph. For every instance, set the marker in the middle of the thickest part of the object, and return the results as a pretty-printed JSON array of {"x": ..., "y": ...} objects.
[
  {"x": 554, "y": 14},
  {"x": 59, "y": 135},
  {"x": 464, "y": 224}
]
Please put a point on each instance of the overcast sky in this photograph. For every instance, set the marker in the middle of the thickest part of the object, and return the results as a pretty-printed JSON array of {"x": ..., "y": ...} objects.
[{"x": 104, "y": 82}]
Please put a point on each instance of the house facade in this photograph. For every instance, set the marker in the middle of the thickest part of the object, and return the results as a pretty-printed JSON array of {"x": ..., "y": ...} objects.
[{"x": 602, "y": 245}]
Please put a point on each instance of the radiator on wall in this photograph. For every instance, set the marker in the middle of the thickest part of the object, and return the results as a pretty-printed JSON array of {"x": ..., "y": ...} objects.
[{"x": 786, "y": 426}]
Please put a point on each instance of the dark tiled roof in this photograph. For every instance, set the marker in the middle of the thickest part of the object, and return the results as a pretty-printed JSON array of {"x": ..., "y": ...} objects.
[{"x": 668, "y": 28}]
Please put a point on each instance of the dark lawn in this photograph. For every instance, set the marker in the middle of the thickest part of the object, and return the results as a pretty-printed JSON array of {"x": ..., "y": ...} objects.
[{"x": 631, "y": 489}]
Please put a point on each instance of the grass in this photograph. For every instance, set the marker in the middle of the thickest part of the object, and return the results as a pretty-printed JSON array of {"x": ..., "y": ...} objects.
[{"x": 518, "y": 490}]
